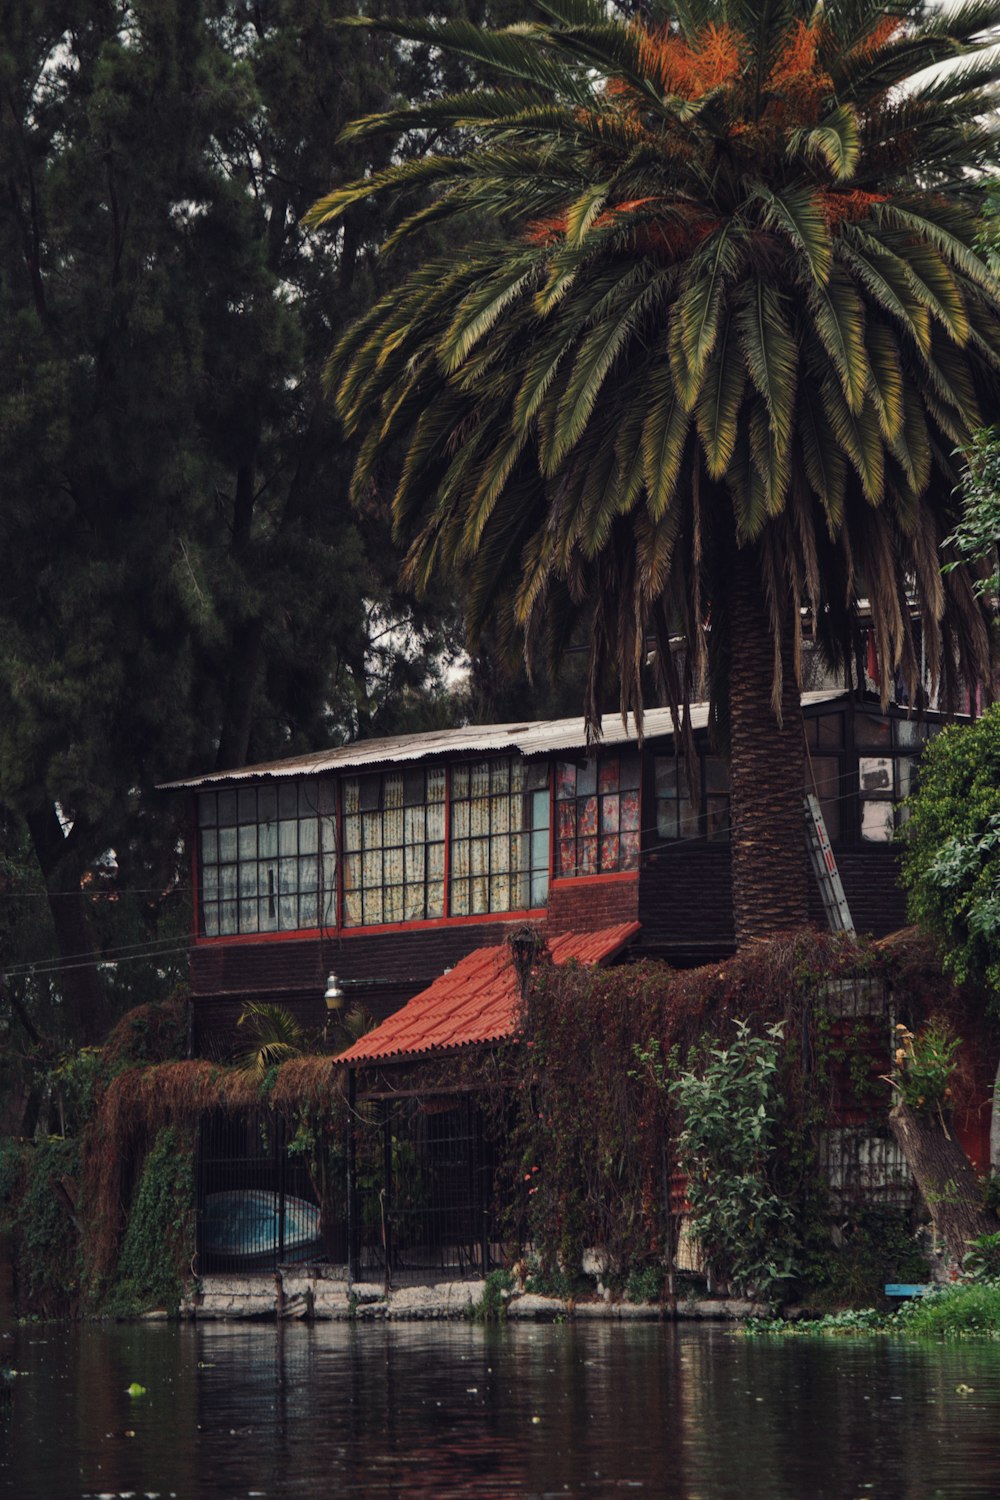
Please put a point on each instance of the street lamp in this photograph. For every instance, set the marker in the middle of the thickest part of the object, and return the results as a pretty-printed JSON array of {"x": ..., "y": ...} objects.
[{"x": 334, "y": 996}]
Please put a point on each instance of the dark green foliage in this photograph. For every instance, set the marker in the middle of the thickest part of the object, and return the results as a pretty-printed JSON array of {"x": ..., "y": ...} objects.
[
  {"x": 185, "y": 581},
  {"x": 876, "y": 1246},
  {"x": 565, "y": 1285},
  {"x": 955, "y": 1312},
  {"x": 43, "y": 1235},
  {"x": 951, "y": 849},
  {"x": 731, "y": 1106},
  {"x": 156, "y": 1256},
  {"x": 492, "y": 1305},
  {"x": 645, "y": 1284},
  {"x": 982, "y": 1263}
]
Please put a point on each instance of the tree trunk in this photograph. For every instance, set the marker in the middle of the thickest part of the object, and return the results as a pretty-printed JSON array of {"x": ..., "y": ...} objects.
[
  {"x": 767, "y": 767},
  {"x": 944, "y": 1175}
]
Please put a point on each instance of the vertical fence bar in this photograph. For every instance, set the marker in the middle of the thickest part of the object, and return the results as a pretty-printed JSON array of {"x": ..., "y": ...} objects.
[
  {"x": 353, "y": 1237},
  {"x": 279, "y": 1148},
  {"x": 386, "y": 1204},
  {"x": 484, "y": 1189}
]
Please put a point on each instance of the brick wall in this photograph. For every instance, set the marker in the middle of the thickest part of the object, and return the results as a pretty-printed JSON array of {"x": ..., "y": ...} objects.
[{"x": 587, "y": 904}]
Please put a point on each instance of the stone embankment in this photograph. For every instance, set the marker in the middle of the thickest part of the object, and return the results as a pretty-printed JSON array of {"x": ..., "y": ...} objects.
[{"x": 314, "y": 1293}]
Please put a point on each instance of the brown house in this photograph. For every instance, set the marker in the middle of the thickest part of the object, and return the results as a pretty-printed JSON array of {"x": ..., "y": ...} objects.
[{"x": 387, "y": 861}]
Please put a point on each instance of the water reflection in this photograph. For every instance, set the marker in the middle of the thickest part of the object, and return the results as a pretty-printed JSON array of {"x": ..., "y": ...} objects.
[{"x": 455, "y": 1410}]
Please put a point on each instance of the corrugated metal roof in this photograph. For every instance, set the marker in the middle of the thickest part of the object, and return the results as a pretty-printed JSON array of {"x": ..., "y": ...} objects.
[
  {"x": 476, "y": 1001},
  {"x": 540, "y": 737}
]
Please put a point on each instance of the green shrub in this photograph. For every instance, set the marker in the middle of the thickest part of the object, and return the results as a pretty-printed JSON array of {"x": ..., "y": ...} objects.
[
  {"x": 563, "y": 1284},
  {"x": 645, "y": 1284},
  {"x": 730, "y": 1110},
  {"x": 492, "y": 1305},
  {"x": 965, "y": 1310},
  {"x": 877, "y": 1245},
  {"x": 44, "y": 1237},
  {"x": 155, "y": 1259},
  {"x": 982, "y": 1260}
]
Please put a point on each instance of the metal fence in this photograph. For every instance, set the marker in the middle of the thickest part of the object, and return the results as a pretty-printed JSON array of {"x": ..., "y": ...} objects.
[{"x": 409, "y": 1194}]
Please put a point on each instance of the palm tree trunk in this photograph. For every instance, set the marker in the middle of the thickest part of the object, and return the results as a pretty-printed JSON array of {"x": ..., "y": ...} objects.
[{"x": 770, "y": 872}]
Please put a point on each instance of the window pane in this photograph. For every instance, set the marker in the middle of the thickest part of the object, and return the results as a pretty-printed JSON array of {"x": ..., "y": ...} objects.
[
  {"x": 872, "y": 731},
  {"x": 877, "y": 822},
  {"x": 247, "y": 805},
  {"x": 267, "y": 840},
  {"x": 908, "y": 733},
  {"x": 227, "y": 808},
  {"x": 630, "y": 810},
  {"x": 907, "y": 775},
  {"x": 537, "y": 776},
  {"x": 666, "y": 819},
  {"x": 827, "y": 775},
  {"x": 631, "y": 766},
  {"x": 211, "y": 920},
  {"x": 667, "y": 773},
  {"x": 209, "y": 847},
  {"x": 717, "y": 819},
  {"x": 586, "y": 778},
  {"x": 206, "y": 809},
  {"x": 609, "y": 852},
  {"x": 288, "y": 800},
  {"x": 830, "y": 731},
  {"x": 565, "y": 781},
  {"x": 875, "y": 775},
  {"x": 435, "y": 898},
  {"x": 288, "y": 838},
  {"x": 716, "y": 774},
  {"x": 308, "y": 836},
  {"x": 247, "y": 843},
  {"x": 608, "y": 775}
]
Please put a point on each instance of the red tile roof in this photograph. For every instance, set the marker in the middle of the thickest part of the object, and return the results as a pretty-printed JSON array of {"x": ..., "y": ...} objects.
[{"x": 477, "y": 1000}]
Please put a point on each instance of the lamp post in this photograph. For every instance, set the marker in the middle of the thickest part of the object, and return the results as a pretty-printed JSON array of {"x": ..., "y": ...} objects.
[{"x": 334, "y": 999}]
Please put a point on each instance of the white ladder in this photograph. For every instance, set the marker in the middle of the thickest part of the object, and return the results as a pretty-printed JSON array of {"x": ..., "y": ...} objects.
[{"x": 824, "y": 864}]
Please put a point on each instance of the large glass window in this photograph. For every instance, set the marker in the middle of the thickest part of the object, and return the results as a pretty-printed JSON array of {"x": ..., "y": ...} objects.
[
  {"x": 394, "y": 829},
  {"x": 887, "y": 771},
  {"x": 268, "y": 858},
  {"x": 677, "y": 815},
  {"x": 499, "y": 836},
  {"x": 597, "y": 814},
  {"x": 825, "y": 772}
]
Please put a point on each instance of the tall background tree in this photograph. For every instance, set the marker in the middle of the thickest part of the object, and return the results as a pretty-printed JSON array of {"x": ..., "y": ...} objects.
[
  {"x": 186, "y": 582},
  {"x": 711, "y": 369}
]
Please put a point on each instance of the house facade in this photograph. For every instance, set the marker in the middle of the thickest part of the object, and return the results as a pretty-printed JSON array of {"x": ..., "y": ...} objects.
[{"x": 388, "y": 861}]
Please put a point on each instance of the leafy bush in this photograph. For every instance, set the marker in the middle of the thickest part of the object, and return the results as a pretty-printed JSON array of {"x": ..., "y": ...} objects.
[
  {"x": 982, "y": 1260},
  {"x": 730, "y": 1111},
  {"x": 645, "y": 1284},
  {"x": 44, "y": 1238},
  {"x": 877, "y": 1245},
  {"x": 967, "y": 1309},
  {"x": 159, "y": 1240},
  {"x": 492, "y": 1305},
  {"x": 951, "y": 848}
]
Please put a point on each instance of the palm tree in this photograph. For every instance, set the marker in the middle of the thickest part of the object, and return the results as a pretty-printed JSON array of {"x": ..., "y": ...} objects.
[{"x": 709, "y": 370}]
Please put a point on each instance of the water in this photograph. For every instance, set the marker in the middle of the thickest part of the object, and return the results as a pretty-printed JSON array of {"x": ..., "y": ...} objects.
[{"x": 441, "y": 1410}]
